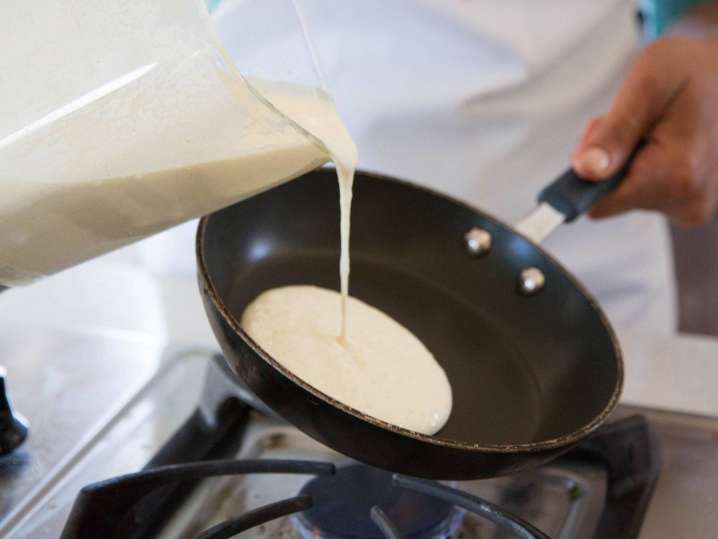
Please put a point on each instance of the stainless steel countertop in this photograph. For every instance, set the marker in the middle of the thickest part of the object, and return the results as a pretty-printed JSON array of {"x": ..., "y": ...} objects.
[{"x": 74, "y": 388}]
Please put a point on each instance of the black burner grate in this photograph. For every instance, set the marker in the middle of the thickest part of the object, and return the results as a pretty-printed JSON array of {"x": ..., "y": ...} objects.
[
  {"x": 363, "y": 502},
  {"x": 109, "y": 509}
]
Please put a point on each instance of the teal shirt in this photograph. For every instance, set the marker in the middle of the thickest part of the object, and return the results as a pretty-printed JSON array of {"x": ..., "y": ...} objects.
[{"x": 660, "y": 14}]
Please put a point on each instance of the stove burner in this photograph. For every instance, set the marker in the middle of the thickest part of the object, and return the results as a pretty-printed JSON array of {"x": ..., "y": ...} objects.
[
  {"x": 343, "y": 505},
  {"x": 362, "y": 501}
]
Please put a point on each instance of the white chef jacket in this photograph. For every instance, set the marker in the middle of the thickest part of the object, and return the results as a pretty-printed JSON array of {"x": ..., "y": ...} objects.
[{"x": 484, "y": 100}]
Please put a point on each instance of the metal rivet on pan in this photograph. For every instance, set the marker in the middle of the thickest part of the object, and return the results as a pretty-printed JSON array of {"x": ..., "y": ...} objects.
[
  {"x": 478, "y": 241},
  {"x": 531, "y": 281}
]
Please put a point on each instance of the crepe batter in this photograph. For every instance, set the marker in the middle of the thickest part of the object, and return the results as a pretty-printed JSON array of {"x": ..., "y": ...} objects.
[
  {"x": 362, "y": 357},
  {"x": 381, "y": 369}
]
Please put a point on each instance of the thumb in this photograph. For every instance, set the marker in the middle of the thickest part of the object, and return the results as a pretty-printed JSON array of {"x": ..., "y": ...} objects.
[{"x": 638, "y": 106}]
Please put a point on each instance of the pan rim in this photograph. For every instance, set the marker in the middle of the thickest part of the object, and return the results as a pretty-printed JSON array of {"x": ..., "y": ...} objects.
[{"x": 526, "y": 447}]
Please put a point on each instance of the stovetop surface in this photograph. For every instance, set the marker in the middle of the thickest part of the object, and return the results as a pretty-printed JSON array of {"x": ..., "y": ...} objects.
[
  {"x": 77, "y": 441},
  {"x": 565, "y": 500},
  {"x": 98, "y": 406}
]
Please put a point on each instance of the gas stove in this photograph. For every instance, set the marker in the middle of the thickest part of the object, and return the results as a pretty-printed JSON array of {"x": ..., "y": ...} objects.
[{"x": 119, "y": 418}]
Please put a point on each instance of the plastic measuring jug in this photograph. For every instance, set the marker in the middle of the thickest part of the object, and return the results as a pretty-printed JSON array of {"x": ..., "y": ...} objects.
[{"x": 120, "y": 119}]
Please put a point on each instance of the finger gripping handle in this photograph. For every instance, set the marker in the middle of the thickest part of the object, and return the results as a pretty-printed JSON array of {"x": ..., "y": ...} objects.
[{"x": 573, "y": 196}]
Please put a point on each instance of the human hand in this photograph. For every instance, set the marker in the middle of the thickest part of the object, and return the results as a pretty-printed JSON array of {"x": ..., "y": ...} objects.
[{"x": 670, "y": 99}]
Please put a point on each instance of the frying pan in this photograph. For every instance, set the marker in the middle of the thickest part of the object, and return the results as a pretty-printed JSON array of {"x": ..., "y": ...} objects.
[{"x": 533, "y": 363}]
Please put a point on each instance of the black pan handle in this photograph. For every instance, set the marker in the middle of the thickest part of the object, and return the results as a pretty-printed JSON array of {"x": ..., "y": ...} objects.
[{"x": 573, "y": 196}]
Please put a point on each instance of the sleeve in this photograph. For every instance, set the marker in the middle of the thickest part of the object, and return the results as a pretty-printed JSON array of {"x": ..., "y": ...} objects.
[{"x": 660, "y": 14}]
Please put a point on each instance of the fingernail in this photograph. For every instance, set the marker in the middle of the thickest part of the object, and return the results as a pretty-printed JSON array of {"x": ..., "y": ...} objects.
[{"x": 594, "y": 161}]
